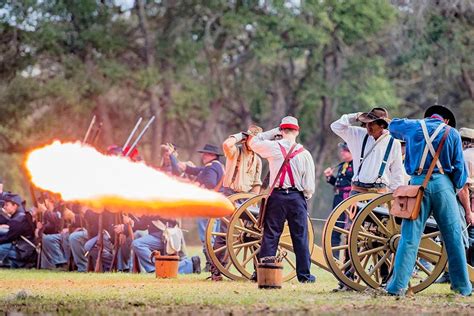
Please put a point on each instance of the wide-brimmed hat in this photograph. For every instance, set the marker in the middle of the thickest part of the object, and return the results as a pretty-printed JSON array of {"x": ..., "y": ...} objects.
[
  {"x": 289, "y": 122},
  {"x": 443, "y": 111},
  {"x": 466, "y": 133},
  {"x": 210, "y": 149},
  {"x": 375, "y": 115}
]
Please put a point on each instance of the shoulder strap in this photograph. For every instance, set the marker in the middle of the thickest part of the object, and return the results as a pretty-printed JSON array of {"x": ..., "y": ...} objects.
[
  {"x": 285, "y": 161},
  {"x": 429, "y": 145},
  {"x": 287, "y": 167},
  {"x": 219, "y": 184},
  {"x": 385, "y": 157},
  {"x": 435, "y": 158},
  {"x": 364, "y": 143},
  {"x": 362, "y": 156},
  {"x": 237, "y": 167}
]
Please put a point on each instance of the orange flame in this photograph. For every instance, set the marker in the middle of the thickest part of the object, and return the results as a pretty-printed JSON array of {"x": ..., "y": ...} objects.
[{"x": 80, "y": 173}]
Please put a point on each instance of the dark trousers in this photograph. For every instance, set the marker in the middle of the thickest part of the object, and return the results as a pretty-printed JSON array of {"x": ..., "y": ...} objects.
[{"x": 292, "y": 207}]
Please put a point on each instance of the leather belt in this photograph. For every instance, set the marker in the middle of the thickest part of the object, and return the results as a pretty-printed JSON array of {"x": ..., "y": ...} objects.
[
  {"x": 287, "y": 190},
  {"x": 365, "y": 190}
]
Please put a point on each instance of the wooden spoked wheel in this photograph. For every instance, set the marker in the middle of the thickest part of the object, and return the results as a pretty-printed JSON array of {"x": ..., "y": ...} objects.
[
  {"x": 244, "y": 240},
  {"x": 374, "y": 239},
  {"x": 212, "y": 233},
  {"x": 337, "y": 256}
]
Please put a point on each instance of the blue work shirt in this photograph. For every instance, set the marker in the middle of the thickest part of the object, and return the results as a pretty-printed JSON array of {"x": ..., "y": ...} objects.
[
  {"x": 451, "y": 157},
  {"x": 207, "y": 176}
]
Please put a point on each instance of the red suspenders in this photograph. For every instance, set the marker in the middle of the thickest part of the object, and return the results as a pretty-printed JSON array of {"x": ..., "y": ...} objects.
[{"x": 286, "y": 168}]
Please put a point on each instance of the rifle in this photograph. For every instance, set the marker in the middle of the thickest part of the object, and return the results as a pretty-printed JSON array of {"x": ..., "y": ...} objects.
[
  {"x": 100, "y": 243},
  {"x": 96, "y": 134},
  {"x": 136, "y": 262},
  {"x": 113, "y": 266},
  {"x": 39, "y": 218},
  {"x": 132, "y": 133},
  {"x": 84, "y": 141},
  {"x": 135, "y": 143}
]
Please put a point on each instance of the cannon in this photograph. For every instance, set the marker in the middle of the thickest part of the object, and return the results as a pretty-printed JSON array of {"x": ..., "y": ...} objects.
[
  {"x": 364, "y": 257},
  {"x": 374, "y": 239}
]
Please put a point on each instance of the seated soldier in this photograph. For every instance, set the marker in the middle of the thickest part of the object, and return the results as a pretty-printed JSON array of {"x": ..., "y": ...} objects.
[
  {"x": 78, "y": 237},
  {"x": 144, "y": 246},
  {"x": 4, "y": 219},
  {"x": 53, "y": 237},
  {"x": 92, "y": 246},
  {"x": 16, "y": 247}
]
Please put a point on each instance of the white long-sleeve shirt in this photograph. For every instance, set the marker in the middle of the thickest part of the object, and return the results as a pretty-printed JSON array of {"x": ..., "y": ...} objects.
[
  {"x": 354, "y": 137},
  {"x": 302, "y": 165}
]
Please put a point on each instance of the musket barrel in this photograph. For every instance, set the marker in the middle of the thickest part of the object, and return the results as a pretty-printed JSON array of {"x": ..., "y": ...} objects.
[
  {"x": 96, "y": 134},
  {"x": 139, "y": 137},
  {"x": 89, "y": 130},
  {"x": 132, "y": 133}
]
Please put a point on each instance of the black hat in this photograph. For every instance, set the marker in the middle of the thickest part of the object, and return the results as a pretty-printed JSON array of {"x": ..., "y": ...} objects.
[
  {"x": 443, "y": 111},
  {"x": 14, "y": 198},
  {"x": 210, "y": 149}
]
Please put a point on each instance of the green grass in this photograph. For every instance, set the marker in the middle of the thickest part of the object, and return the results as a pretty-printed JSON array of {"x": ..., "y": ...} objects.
[{"x": 31, "y": 291}]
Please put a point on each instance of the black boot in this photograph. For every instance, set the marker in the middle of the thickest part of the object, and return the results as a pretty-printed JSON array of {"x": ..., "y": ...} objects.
[
  {"x": 444, "y": 279},
  {"x": 196, "y": 264}
]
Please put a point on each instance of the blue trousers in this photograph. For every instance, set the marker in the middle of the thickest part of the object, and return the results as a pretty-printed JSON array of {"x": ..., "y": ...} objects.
[
  {"x": 77, "y": 240},
  {"x": 202, "y": 225},
  {"x": 53, "y": 250},
  {"x": 8, "y": 256},
  {"x": 291, "y": 207},
  {"x": 91, "y": 246},
  {"x": 3, "y": 231},
  {"x": 144, "y": 246},
  {"x": 440, "y": 200}
]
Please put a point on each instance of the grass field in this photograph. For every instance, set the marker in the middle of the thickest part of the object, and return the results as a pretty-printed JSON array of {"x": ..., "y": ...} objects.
[{"x": 31, "y": 291}]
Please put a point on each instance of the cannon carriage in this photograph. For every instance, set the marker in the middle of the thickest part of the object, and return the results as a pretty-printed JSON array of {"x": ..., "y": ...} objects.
[{"x": 364, "y": 257}]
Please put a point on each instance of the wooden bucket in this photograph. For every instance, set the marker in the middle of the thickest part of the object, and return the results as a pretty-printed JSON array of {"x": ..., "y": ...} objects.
[
  {"x": 270, "y": 275},
  {"x": 166, "y": 266}
]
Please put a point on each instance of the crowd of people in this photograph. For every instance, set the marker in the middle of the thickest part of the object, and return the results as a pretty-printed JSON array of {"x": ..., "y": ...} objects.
[{"x": 387, "y": 153}]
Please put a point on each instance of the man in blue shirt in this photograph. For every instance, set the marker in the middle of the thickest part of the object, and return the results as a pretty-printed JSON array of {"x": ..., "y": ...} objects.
[
  {"x": 439, "y": 198},
  {"x": 16, "y": 252},
  {"x": 210, "y": 176}
]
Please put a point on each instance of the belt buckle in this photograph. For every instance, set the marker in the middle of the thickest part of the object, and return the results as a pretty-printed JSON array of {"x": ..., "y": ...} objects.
[{"x": 287, "y": 191}]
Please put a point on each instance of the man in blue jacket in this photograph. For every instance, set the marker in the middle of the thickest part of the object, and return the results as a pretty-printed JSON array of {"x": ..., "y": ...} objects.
[
  {"x": 209, "y": 176},
  {"x": 439, "y": 197},
  {"x": 15, "y": 251}
]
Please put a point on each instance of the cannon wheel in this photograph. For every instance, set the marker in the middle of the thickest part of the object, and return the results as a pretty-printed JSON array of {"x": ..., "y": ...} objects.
[
  {"x": 374, "y": 240},
  {"x": 245, "y": 239},
  {"x": 340, "y": 266},
  {"x": 211, "y": 233}
]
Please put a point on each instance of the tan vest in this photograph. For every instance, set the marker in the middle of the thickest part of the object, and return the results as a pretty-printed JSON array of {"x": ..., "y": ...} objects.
[{"x": 244, "y": 176}]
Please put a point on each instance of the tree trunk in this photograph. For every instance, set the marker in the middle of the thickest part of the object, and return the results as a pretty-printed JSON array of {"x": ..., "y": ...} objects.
[
  {"x": 106, "y": 137},
  {"x": 467, "y": 81}
]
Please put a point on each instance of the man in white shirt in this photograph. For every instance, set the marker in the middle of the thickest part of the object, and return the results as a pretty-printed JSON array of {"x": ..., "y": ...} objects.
[
  {"x": 378, "y": 165},
  {"x": 293, "y": 187},
  {"x": 466, "y": 195}
]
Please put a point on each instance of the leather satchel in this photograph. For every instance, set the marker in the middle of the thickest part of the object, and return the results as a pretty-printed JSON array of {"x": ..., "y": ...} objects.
[{"x": 408, "y": 198}]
